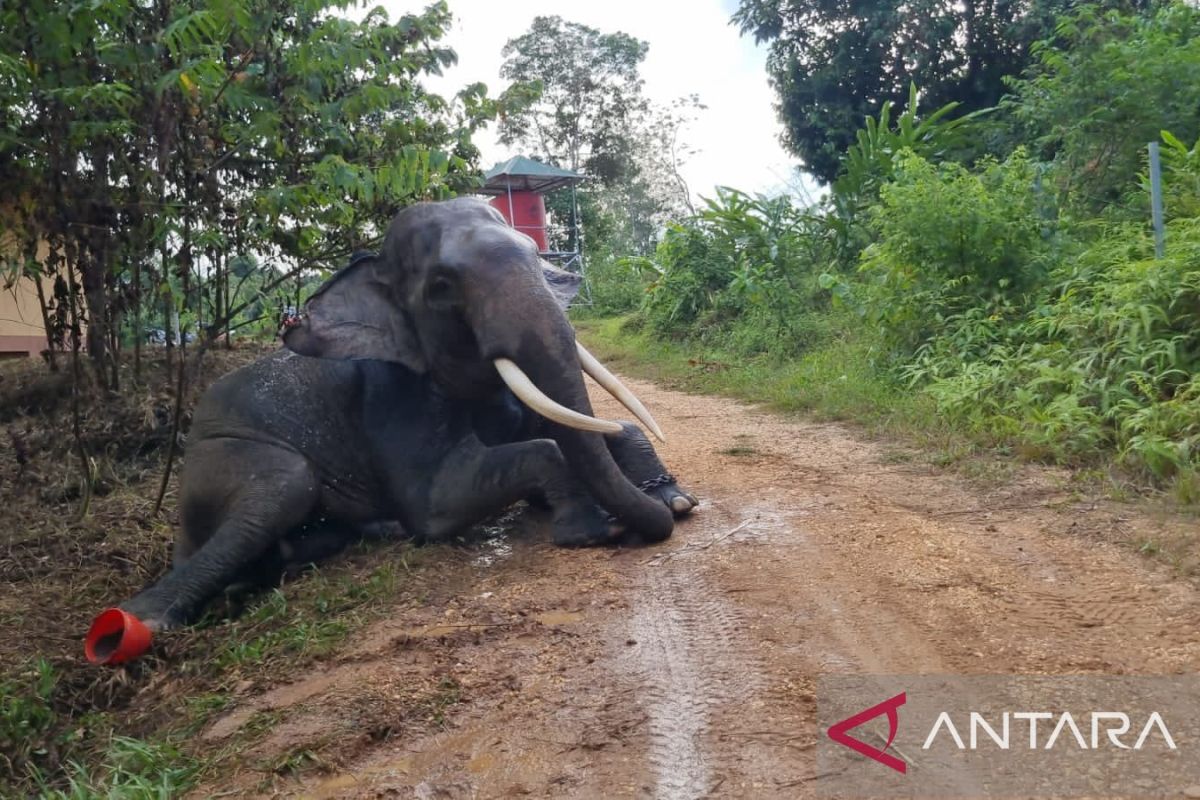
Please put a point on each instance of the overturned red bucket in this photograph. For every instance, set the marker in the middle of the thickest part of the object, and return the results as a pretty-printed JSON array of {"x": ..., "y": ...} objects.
[{"x": 116, "y": 636}]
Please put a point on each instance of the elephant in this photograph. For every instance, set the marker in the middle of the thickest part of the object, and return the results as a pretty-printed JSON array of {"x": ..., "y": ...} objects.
[{"x": 430, "y": 386}]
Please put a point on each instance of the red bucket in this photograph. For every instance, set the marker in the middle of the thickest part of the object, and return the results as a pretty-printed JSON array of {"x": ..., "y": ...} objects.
[{"x": 116, "y": 636}]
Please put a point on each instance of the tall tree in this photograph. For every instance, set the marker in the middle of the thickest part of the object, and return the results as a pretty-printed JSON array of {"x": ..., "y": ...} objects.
[
  {"x": 583, "y": 109},
  {"x": 834, "y": 63},
  {"x": 588, "y": 92}
]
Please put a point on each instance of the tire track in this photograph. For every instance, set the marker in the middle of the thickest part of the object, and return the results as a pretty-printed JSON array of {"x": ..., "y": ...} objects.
[{"x": 693, "y": 663}]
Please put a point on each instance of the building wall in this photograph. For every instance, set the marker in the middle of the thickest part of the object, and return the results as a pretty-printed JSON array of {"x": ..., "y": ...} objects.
[{"x": 21, "y": 330}]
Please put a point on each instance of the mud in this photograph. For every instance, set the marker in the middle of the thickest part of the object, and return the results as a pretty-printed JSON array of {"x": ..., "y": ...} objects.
[{"x": 687, "y": 670}]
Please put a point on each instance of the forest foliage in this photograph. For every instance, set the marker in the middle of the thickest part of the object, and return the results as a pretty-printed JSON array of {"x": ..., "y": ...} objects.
[
  {"x": 1000, "y": 263},
  {"x": 833, "y": 63},
  {"x": 157, "y": 145}
]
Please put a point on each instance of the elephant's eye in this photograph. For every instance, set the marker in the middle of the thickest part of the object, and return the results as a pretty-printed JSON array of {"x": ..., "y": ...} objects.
[{"x": 441, "y": 293}]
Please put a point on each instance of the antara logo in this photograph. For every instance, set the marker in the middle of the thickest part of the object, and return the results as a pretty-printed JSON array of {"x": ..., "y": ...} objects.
[
  {"x": 838, "y": 732},
  {"x": 1106, "y": 728},
  {"x": 1113, "y": 724}
]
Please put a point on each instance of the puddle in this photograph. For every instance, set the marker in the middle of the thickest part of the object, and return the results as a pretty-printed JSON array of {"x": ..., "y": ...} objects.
[
  {"x": 494, "y": 549},
  {"x": 493, "y": 542}
]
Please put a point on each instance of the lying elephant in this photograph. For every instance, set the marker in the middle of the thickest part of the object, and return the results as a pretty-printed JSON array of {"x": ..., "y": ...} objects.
[{"x": 399, "y": 402}]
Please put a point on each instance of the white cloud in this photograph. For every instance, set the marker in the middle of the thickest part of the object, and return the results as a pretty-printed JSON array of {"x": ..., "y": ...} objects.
[{"x": 693, "y": 49}]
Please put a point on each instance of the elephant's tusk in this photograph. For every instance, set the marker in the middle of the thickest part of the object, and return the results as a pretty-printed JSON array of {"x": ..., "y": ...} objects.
[
  {"x": 592, "y": 366},
  {"x": 533, "y": 397}
]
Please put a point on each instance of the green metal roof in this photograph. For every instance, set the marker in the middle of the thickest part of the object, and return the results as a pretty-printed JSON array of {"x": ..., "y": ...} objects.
[{"x": 521, "y": 174}]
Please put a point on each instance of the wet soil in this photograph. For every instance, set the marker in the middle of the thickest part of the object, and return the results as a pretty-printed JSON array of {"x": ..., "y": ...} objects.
[{"x": 687, "y": 670}]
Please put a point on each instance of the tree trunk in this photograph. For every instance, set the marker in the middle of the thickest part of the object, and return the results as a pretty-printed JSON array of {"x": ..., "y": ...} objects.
[
  {"x": 137, "y": 320},
  {"x": 47, "y": 325},
  {"x": 92, "y": 275}
]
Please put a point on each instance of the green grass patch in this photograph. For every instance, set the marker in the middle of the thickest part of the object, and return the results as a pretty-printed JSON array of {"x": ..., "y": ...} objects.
[
  {"x": 839, "y": 379},
  {"x": 309, "y": 620},
  {"x": 46, "y": 750},
  {"x": 130, "y": 768},
  {"x": 834, "y": 381}
]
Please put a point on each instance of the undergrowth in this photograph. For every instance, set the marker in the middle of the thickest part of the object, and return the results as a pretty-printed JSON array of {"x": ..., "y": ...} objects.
[
  {"x": 834, "y": 381},
  {"x": 71, "y": 730}
]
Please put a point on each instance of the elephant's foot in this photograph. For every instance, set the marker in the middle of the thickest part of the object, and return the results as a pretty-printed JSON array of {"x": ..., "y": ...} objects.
[
  {"x": 124, "y": 633},
  {"x": 585, "y": 528},
  {"x": 668, "y": 492},
  {"x": 156, "y": 613}
]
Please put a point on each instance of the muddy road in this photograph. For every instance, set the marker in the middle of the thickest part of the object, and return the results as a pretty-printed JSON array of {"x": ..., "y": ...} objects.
[{"x": 687, "y": 670}]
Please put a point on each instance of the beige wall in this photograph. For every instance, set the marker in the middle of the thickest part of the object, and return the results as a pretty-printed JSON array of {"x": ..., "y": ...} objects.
[{"x": 21, "y": 329}]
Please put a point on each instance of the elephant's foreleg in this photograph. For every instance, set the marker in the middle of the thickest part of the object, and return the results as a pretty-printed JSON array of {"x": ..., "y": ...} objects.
[
  {"x": 266, "y": 495},
  {"x": 475, "y": 482},
  {"x": 641, "y": 465}
]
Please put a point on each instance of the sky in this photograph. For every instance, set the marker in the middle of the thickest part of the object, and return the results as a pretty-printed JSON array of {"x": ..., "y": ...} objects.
[{"x": 693, "y": 49}]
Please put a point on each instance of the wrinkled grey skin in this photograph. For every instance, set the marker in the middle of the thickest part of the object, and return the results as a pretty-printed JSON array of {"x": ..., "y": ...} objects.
[{"x": 389, "y": 409}]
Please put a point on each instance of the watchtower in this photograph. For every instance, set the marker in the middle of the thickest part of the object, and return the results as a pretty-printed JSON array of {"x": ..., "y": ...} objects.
[{"x": 518, "y": 188}]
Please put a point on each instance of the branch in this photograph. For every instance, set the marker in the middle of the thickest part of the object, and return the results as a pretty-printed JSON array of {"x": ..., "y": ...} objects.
[{"x": 270, "y": 285}]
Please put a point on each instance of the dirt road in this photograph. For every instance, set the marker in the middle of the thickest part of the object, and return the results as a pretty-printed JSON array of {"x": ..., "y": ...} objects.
[{"x": 687, "y": 670}]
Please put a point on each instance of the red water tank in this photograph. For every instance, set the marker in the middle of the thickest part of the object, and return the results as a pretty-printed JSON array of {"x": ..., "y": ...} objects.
[{"x": 526, "y": 212}]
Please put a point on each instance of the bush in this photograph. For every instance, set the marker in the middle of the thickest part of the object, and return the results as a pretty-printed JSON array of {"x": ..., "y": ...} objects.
[
  {"x": 1108, "y": 358},
  {"x": 1104, "y": 86},
  {"x": 692, "y": 270},
  {"x": 949, "y": 240},
  {"x": 742, "y": 261},
  {"x": 616, "y": 285}
]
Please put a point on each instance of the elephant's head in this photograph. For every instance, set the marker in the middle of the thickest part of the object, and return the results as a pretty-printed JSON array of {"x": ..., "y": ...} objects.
[{"x": 457, "y": 294}]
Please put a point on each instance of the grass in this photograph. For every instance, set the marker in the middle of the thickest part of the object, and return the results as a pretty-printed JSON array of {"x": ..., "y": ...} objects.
[
  {"x": 839, "y": 381},
  {"x": 447, "y": 693},
  {"x": 836, "y": 381},
  {"x": 69, "y": 729},
  {"x": 282, "y": 631},
  {"x": 130, "y": 768},
  {"x": 308, "y": 621}
]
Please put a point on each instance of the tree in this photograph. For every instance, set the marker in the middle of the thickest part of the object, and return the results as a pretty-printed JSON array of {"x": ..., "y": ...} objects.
[
  {"x": 832, "y": 64},
  {"x": 1105, "y": 85},
  {"x": 588, "y": 92},
  {"x": 151, "y": 139},
  {"x": 583, "y": 109},
  {"x": 157, "y": 141}
]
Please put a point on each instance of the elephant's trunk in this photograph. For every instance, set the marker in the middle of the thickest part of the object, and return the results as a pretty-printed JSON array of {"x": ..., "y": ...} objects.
[{"x": 553, "y": 365}]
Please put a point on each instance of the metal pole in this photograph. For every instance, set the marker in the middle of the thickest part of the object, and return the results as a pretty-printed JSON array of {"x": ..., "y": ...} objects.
[
  {"x": 587, "y": 288},
  {"x": 512, "y": 223},
  {"x": 1156, "y": 201}
]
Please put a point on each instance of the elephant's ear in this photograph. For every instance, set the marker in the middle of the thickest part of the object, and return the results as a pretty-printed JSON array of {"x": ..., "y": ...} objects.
[
  {"x": 563, "y": 285},
  {"x": 356, "y": 315}
]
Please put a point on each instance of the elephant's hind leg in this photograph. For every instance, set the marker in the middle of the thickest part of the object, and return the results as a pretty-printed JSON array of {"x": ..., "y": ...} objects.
[{"x": 239, "y": 499}]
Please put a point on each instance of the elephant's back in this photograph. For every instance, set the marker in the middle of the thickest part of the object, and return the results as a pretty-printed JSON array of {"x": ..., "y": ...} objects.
[{"x": 308, "y": 403}]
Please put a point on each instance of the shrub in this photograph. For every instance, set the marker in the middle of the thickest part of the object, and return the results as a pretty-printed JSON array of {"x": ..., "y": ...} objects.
[
  {"x": 615, "y": 285},
  {"x": 742, "y": 260},
  {"x": 950, "y": 240},
  {"x": 1104, "y": 86},
  {"x": 1107, "y": 358}
]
